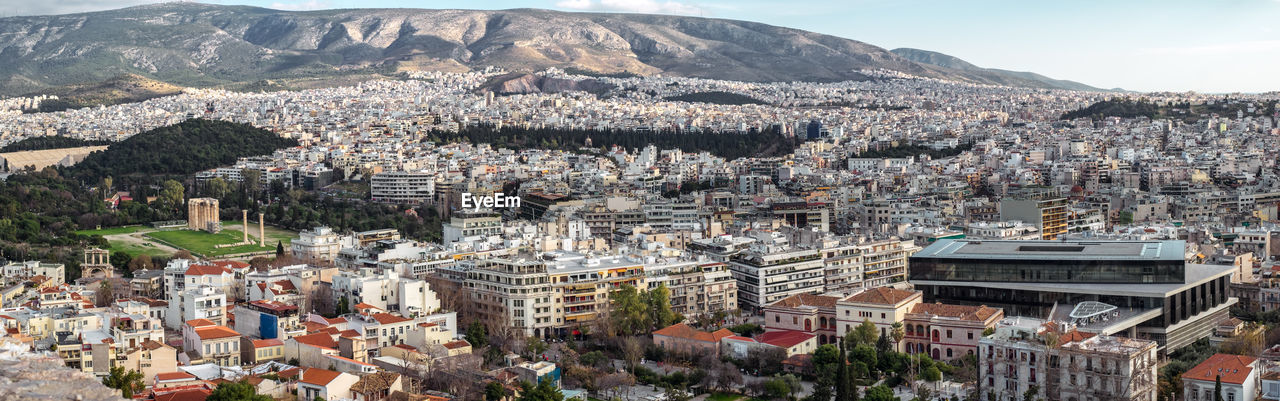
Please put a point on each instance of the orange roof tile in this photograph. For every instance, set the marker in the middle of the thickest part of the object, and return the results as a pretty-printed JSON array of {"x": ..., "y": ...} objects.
[
  {"x": 317, "y": 340},
  {"x": 387, "y": 318},
  {"x": 882, "y": 296},
  {"x": 319, "y": 377},
  {"x": 681, "y": 330},
  {"x": 205, "y": 270},
  {"x": 799, "y": 300},
  {"x": 1234, "y": 369},
  {"x": 215, "y": 332},
  {"x": 267, "y": 343},
  {"x": 174, "y": 376},
  {"x": 784, "y": 338},
  {"x": 185, "y": 395},
  {"x": 963, "y": 312},
  {"x": 200, "y": 323}
]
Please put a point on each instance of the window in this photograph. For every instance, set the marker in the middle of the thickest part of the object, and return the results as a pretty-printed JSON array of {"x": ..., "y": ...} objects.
[
  {"x": 948, "y": 333},
  {"x": 778, "y": 319},
  {"x": 970, "y": 335},
  {"x": 948, "y": 352}
]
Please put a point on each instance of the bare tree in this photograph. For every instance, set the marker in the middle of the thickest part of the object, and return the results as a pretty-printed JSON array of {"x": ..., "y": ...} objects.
[
  {"x": 632, "y": 351},
  {"x": 617, "y": 385}
]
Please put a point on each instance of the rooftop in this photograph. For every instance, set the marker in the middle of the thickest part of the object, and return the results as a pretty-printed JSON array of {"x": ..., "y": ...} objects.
[{"x": 1060, "y": 250}]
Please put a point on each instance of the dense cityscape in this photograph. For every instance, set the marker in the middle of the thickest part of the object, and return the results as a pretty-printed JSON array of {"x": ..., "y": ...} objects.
[{"x": 480, "y": 236}]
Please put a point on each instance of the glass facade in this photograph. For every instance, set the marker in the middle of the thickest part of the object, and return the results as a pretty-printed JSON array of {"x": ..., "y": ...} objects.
[{"x": 1047, "y": 270}]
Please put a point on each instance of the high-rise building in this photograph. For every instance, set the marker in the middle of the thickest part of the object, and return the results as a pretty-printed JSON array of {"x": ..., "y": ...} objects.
[{"x": 1043, "y": 208}]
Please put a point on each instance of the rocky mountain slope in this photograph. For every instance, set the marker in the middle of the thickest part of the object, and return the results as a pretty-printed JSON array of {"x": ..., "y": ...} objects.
[
  {"x": 192, "y": 44},
  {"x": 965, "y": 70},
  {"x": 38, "y": 376}
]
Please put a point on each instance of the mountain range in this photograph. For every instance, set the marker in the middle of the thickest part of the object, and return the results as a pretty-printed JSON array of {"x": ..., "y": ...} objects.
[{"x": 239, "y": 47}]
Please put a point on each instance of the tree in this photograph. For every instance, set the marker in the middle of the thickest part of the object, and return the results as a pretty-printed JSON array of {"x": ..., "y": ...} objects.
[
  {"x": 898, "y": 334},
  {"x": 630, "y": 312},
  {"x": 931, "y": 374},
  {"x": 494, "y": 391},
  {"x": 865, "y": 333},
  {"x": 128, "y": 382},
  {"x": 183, "y": 254},
  {"x": 883, "y": 346},
  {"x": 1217, "y": 388},
  {"x": 218, "y": 188},
  {"x": 777, "y": 388},
  {"x": 476, "y": 333},
  {"x": 171, "y": 196},
  {"x": 845, "y": 391},
  {"x": 252, "y": 181},
  {"x": 659, "y": 300},
  {"x": 543, "y": 391},
  {"x": 535, "y": 346},
  {"x": 141, "y": 262},
  {"x": 279, "y": 248},
  {"x": 632, "y": 351},
  {"x": 343, "y": 308},
  {"x": 880, "y": 393},
  {"x": 1032, "y": 392},
  {"x": 236, "y": 391}
]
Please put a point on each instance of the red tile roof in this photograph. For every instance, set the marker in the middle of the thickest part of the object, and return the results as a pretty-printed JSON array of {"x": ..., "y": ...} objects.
[
  {"x": 205, "y": 270},
  {"x": 1234, "y": 369},
  {"x": 457, "y": 344},
  {"x": 214, "y": 332},
  {"x": 798, "y": 300},
  {"x": 230, "y": 264},
  {"x": 784, "y": 338},
  {"x": 319, "y": 377},
  {"x": 317, "y": 340},
  {"x": 963, "y": 312},
  {"x": 185, "y": 395},
  {"x": 267, "y": 343},
  {"x": 882, "y": 296},
  {"x": 387, "y": 318},
  {"x": 681, "y": 330},
  {"x": 174, "y": 376},
  {"x": 200, "y": 323}
]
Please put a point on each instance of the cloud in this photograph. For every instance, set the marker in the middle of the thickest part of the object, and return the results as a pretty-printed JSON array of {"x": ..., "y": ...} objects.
[
  {"x": 11, "y": 8},
  {"x": 302, "y": 5},
  {"x": 633, "y": 6}
]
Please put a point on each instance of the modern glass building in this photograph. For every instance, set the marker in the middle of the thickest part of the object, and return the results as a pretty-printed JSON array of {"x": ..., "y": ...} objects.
[{"x": 1141, "y": 289}]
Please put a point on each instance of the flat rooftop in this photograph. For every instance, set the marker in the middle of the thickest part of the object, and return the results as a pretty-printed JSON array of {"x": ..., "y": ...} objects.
[{"x": 1058, "y": 250}]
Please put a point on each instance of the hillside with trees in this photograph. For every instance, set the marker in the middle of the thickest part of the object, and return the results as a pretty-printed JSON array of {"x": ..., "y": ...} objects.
[
  {"x": 1123, "y": 108},
  {"x": 49, "y": 142},
  {"x": 729, "y": 146},
  {"x": 177, "y": 150},
  {"x": 715, "y": 97},
  {"x": 913, "y": 151}
]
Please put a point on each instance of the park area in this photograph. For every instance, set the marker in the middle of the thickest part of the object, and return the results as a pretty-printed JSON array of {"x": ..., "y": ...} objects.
[{"x": 144, "y": 240}]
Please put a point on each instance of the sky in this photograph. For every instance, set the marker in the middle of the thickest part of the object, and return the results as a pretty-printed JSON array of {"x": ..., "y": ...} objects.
[{"x": 1143, "y": 45}]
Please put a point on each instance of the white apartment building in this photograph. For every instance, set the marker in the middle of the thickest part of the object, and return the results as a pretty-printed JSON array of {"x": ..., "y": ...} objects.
[
  {"x": 197, "y": 303},
  {"x": 386, "y": 290},
  {"x": 471, "y": 228},
  {"x": 402, "y": 186},
  {"x": 696, "y": 287},
  {"x": 317, "y": 244},
  {"x": 769, "y": 273}
]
